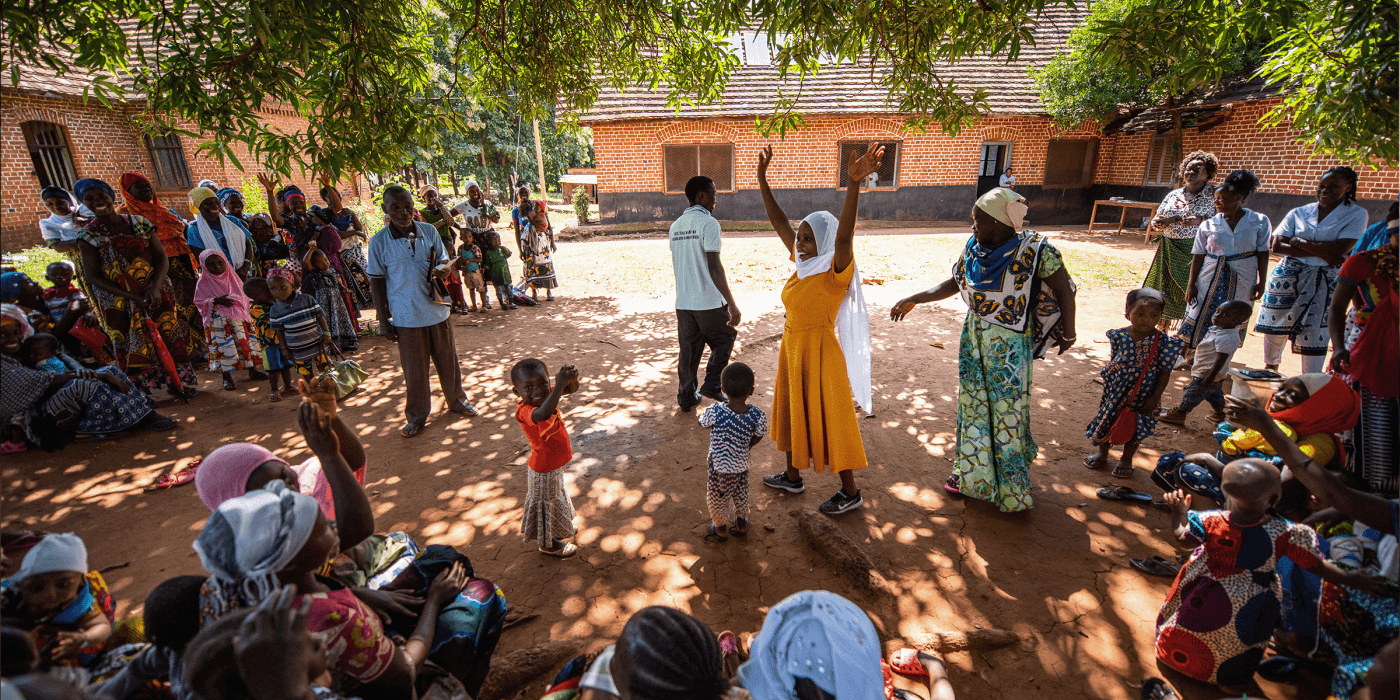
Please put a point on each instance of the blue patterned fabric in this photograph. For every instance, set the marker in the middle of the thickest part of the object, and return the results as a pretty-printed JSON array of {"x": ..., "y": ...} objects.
[{"x": 1129, "y": 359}]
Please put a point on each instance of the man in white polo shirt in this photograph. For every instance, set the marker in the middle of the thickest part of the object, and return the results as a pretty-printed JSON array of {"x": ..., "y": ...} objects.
[{"x": 705, "y": 310}]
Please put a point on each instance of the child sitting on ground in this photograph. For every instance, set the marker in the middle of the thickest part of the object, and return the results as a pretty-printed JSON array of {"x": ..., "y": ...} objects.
[
  {"x": 1212, "y": 359},
  {"x": 66, "y": 609},
  {"x": 62, "y": 294},
  {"x": 277, "y": 365},
  {"x": 299, "y": 323},
  {"x": 43, "y": 351},
  {"x": 228, "y": 326},
  {"x": 85, "y": 338},
  {"x": 171, "y": 620},
  {"x": 321, "y": 282},
  {"x": 497, "y": 270},
  {"x": 1225, "y": 604},
  {"x": 735, "y": 427},
  {"x": 469, "y": 262},
  {"x": 1133, "y": 381},
  {"x": 549, "y": 514}
]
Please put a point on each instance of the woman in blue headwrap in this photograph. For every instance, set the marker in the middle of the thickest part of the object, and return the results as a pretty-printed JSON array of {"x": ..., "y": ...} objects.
[
  {"x": 128, "y": 269},
  {"x": 1020, "y": 298}
]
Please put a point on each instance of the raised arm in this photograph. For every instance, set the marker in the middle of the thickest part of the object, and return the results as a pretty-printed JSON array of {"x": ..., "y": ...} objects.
[
  {"x": 776, "y": 217},
  {"x": 273, "y": 210},
  {"x": 860, "y": 169},
  {"x": 353, "y": 516}
]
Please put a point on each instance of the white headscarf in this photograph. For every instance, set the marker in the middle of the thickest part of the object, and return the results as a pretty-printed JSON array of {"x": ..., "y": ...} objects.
[
  {"x": 1005, "y": 206},
  {"x": 64, "y": 552},
  {"x": 819, "y": 636},
  {"x": 233, "y": 236},
  {"x": 1314, "y": 381},
  {"x": 248, "y": 539},
  {"x": 852, "y": 319}
]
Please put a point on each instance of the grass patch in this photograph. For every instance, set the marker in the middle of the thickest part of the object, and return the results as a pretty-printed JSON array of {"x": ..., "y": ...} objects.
[
  {"x": 34, "y": 261},
  {"x": 1096, "y": 269}
]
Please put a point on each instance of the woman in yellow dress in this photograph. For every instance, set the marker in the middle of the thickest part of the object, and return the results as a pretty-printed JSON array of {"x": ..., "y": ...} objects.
[{"x": 813, "y": 418}]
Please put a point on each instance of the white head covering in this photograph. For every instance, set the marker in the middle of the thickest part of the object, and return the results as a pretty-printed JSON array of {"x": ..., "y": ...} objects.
[
  {"x": 819, "y": 636},
  {"x": 852, "y": 319},
  {"x": 64, "y": 552},
  {"x": 1314, "y": 381},
  {"x": 1005, "y": 206},
  {"x": 233, "y": 233},
  {"x": 248, "y": 539}
]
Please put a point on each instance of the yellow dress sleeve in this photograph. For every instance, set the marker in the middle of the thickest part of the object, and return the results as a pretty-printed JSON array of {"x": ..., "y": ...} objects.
[
  {"x": 1319, "y": 447},
  {"x": 1243, "y": 440}
]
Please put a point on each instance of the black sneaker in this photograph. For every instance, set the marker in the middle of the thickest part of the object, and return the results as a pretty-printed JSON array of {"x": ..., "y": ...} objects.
[
  {"x": 714, "y": 395},
  {"x": 840, "y": 503},
  {"x": 780, "y": 481}
]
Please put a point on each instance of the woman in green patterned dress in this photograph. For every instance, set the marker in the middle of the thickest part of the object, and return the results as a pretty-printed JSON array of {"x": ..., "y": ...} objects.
[
  {"x": 1020, "y": 299},
  {"x": 1174, "y": 228}
]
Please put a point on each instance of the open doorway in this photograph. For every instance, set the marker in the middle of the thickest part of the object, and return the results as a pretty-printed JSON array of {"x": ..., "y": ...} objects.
[{"x": 996, "y": 155}]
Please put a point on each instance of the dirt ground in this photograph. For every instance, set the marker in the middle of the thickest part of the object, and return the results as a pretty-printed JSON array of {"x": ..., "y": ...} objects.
[{"x": 1057, "y": 576}]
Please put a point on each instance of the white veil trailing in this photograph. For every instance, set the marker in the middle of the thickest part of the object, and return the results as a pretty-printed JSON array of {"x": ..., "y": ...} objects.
[{"x": 852, "y": 319}]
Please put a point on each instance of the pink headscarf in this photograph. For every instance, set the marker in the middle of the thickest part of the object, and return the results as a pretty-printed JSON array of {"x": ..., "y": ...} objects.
[
  {"x": 224, "y": 473},
  {"x": 211, "y": 286},
  {"x": 279, "y": 272}
]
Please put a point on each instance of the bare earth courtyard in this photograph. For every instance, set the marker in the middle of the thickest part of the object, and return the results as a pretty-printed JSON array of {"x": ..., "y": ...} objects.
[{"x": 1057, "y": 577}]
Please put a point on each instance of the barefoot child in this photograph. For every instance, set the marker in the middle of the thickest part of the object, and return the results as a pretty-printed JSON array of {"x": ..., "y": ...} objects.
[
  {"x": 228, "y": 327},
  {"x": 469, "y": 262},
  {"x": 735, "y": 428},
  {"x": 299, "y": 323},
  {"x": 1212, "y": 359},
  {"x": 66, "y": 610},
  {"x": 549, "y": 514},
  {"x": 277, "y": 365},
  {"x": 1225, "y": 604},
  {"x": 1133, "y": 381}
]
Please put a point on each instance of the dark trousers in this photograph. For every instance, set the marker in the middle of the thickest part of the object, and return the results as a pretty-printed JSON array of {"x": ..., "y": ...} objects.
[
  {"x": 418, "y": 347},
  {"x": 698, "y": 329},
  {"x": 1197, "y": 391}
]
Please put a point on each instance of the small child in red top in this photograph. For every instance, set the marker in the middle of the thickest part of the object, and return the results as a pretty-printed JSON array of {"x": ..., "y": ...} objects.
[{"x": 549, "y": 514}]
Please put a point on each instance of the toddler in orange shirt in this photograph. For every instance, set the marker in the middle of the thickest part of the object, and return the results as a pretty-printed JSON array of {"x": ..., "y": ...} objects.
[{"x": 549, "y": 514}]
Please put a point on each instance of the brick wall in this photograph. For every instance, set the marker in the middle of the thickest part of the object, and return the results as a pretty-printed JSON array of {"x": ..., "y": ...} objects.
[
  {"x": 1283, "y": 165},
  {"x": 104, "y": 143}
]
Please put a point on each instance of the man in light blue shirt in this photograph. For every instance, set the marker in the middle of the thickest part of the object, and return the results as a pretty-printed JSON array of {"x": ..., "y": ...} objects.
[
  {"x": 706, "y": 314},
  {"x": 402, "y": 257}
]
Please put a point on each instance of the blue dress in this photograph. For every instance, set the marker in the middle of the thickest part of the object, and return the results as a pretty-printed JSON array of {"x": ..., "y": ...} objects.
[{"x": 1121, "y": 374}]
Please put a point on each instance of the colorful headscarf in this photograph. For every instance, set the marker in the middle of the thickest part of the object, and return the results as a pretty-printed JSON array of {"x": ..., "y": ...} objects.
[
  {"x": 224, "y": 193},
  {"x": 234, "y": 237},
  {"x": 280, "y": 272},
  {"x": 819, "y": 636},
  {"x": 225, "y": 284},
  {"x": 1005, "y": 206},
  {"x": 10, "y": 313},
  {"x": 290, "y": 191},
  {"x": 223, "y": 475},
  {"x": 248, "y": 539},
  {"x": 1331, "y": 406},
  {"x": 169, "y": 227},
  {"x": 424, "y": 190},
  {"x": 207, "y": 183},
  {"x": 12, "y": 284},
  {"x": 852, "y": 317},
  {"x": 81, "y": 187}
]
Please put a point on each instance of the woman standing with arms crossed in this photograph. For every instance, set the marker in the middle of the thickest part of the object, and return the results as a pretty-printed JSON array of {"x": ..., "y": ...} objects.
[
  {"x": 1181, "y": 211},
  {"x": 1002, "y": 275},
  {"x": 813, "y": 419}
]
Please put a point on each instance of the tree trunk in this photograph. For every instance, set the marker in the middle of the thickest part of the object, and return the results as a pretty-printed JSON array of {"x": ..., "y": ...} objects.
[
  {"x": 1176, "y": 133},
  {"x": 437, "y": 181},
  {"x": 539, "y": 161},
  {"x": 456, "y": 191}
]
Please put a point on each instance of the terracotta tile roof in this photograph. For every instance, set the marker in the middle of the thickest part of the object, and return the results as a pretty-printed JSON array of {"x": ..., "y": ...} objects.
[
  {"x": 1201, "y": 110},
  {"x": 848, "y": 89}
]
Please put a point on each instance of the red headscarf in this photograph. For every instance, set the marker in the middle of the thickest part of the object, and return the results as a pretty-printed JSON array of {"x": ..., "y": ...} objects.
[
  {"x": 1331, "y": 407},
  {"x": 225, "y": 284},
  {"x": 169, "y": 227}
]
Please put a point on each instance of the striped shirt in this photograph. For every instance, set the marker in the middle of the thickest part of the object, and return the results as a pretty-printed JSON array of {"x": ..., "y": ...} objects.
[{"x": 298, "y": 319}]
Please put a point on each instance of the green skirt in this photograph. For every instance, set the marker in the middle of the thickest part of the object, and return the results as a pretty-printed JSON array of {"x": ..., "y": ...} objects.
[{"x": 1170, "y": 273}]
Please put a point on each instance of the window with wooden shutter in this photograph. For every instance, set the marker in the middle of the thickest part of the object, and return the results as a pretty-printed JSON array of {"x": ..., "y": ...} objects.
[
  {"x": 48, "y": 149},
  {"x": 168, "y": 159},
  {"x": 713, "y": 160},
  {"x": 1070, "y": 162},
  {"x": 886, "y": 176},
  {"x": 1161, "y": 166}
]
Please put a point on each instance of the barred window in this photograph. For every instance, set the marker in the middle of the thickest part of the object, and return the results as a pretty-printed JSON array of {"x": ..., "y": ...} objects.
[
  {"x": 48, "y": 149},
  {"x": 1070, "y": 162},
  {"x": 1161, "y": 167},
  {"x": 168, "y": 159},
  {"x": 886, "y": 176},
  {"x": 713, "y": 160}
]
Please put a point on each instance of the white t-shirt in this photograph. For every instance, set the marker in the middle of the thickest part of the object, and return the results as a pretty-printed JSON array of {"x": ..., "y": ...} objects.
[
  {"x": 1217, "y": 340},
  {"x": 695, "y": 233},
  {"x": 1008, "y": 180}
]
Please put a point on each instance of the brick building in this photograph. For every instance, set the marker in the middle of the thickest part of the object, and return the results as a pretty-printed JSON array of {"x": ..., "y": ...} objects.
[
  {"x": 645, "y": 150},
  {"x": 51, "y": 135}
]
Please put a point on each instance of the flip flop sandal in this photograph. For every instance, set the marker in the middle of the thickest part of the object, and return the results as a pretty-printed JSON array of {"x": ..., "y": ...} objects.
[
  {"x": 1156, "y": 689},
  {"x": 714, "y": 536},
  {"x": 179, "y": 478},
  {"x": 905, "y": 662},
  {"x": 568, "y": 550},
  {"x": 740, "y": 528},
  {"x": 1122, "y": 493},
  {"x": 728, "y": 643},
  {"x": 409, "y": 431},
  {"x": 19, "y": 541},
  {"x": 1120, "y": 473},
  {"x": 1155, "y": 566},
  {"x": 1092, "y": 462},
  {"x": 161, "y": 425},
  {"x": 953, "y": 485},
  {"x": 10, "y": 447},
  {"x": 1160, "y": 504}
]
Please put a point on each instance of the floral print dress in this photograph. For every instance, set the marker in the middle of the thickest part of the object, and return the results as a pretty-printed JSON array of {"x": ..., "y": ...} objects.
[{"x": 1121, "y": 375}]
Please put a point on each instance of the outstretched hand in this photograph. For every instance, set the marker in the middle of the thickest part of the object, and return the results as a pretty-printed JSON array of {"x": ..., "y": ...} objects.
[
  {"x": 765, "y": 157},
  {"x": 861, "y": 167},
  {"x": 901, "y": 309},
  {"x": 266, "y": 181},
  {"x": 318, "y": 429},
  {"x": 1246, "y": 414},
  {"x": 320, "y": 391}
]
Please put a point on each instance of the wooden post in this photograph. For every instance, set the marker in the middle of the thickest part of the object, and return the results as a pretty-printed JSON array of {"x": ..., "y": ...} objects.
[{"x": 539, "y": 160}]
